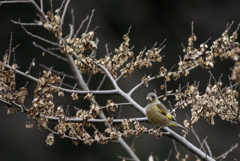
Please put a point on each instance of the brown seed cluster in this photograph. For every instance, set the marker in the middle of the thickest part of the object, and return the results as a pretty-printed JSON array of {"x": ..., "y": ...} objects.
[
  {"x": 54, "y": 23},
  {"x": 225, "y": 47},
  {"x": 113, "y": 134},
  {"x": 111, "y": 106},
  {"x": 100, "y": 137},
  {"x": 77, "y": 46},
  {"x": 140, "y": 128},
  {"x": 43, "y": 95},
  {"x": 50, "y": 139},
  {"x": 215, "y": 101},
  {"x": 127, "y": 130},
  {"x": 236, "y": 72},
  {"x": 150, "y": 56},
  {"x": 77, "y": 130},
  {"x": 123, "y": 53},
  {"x": 145, "y": 80},
  {"x": 89, "y": 95},
  {"x": 155, "y": 132},
  {"x": 8, "y": 84}
]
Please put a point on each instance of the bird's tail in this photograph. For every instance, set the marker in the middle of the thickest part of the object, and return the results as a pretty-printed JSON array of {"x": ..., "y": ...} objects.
[{"x": 175, "y": 124}]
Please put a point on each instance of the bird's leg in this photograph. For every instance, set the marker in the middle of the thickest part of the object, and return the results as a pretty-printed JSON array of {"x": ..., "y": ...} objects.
[{"x": 159, "y": 129}]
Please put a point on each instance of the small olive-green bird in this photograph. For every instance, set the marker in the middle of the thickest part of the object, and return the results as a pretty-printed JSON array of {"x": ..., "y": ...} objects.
[{"x": 158, "y": 114}]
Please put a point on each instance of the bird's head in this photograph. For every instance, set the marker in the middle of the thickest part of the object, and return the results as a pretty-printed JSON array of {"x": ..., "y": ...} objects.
[{"x": 151, "y": 97}]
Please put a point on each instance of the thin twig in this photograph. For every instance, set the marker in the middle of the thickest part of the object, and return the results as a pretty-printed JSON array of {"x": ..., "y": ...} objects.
[
  {"x": 46, "y": 50},
  {"x": 10, "y": 48},
  {"x": 208, "y": 148},
  {"x": 57, "y": 72},
  {"x": 120, "y": 76},
  {"x": 162, "y": 43},
  {"x": 79, "y": 28},
  {"x": 13, "y": 50},
  {"x": 169, "y": 155},
  {"x": 119, "y": 104},
  {"x": 195, "y": 134},
  {"x": 73, "y": 19},
  {"x": 64, "y": 11},
  {"x": 109, "y": 76},
  {"x": 89, "y": 21},
  {"x": 120, "y": 112},
  {"x": 227, "y": 152},
  {"x": 101, "y": 83},
  {"x": 89, "y": 78},
  {"x": 32, "y": 64},
  {"x": 43, "y": 16},
  {"x": 41, "y": 5},
  {"x": 27, "y": 24},
  {"x": 177, "y": 152},
  {"x": 133, "y": 142},
  {"x": 2, "y": 2},
  {"x": 40, "y": 38}
]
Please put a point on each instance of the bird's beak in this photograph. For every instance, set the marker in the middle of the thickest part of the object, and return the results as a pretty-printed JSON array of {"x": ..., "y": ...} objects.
[{"x": 149, "y": 99}]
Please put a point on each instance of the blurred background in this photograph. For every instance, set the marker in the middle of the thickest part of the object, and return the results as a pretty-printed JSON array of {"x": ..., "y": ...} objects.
[{"x": 151, "y": 21}]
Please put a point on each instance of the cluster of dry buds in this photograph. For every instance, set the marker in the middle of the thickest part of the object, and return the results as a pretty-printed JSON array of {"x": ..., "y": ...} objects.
[{"x": 215, "y": 101}]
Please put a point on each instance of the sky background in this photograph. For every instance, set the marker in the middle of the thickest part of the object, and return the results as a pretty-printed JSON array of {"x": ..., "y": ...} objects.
[{"x": 151, "y": 21}]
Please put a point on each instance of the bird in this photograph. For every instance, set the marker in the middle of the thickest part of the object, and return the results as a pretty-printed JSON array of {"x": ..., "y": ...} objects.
[{"x": 158, "y": 114}]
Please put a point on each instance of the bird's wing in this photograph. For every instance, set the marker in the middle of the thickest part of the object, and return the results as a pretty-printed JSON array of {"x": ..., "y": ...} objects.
[{"x": 164, "y": 112}]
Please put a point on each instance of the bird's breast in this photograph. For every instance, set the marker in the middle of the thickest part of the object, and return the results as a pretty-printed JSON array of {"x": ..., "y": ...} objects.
[{"x": 155, "y": 117}]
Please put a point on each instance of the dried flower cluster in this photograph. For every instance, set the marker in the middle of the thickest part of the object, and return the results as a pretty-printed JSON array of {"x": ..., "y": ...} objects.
[
  {"x": 155, "y": 132},
  {"x": 87, "y": 64},
  {"x": 236, "y": 72},
  {"x": 150, "y": 56},
  {"x": 127, "y": 130},
  {"x": 225, "y": 47},
  {"x": 8, "y": 90},
  {"x": 123, "y": 53},
  {"x": 140, "y": 128},
  {"x": 54, "y": 25},
  {"x": 215, "y": 101},
  {"x": 114, "y": 135},
  {"x": 111, "y": 106},
  {"x": 43, "y": 98},
  {"x": 50, "y": 139}
]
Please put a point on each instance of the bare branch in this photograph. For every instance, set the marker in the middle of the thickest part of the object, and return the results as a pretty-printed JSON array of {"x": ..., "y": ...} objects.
[
  {"x": 57, "y": 72},
  {"x": 227, "y": 152},
  {"x": 89, "y": 21},
  {"x": 64, "y": 11},
  {"x": 208, "y": 148},
  {"x": 169, "y": 155},
  {"x": 46, "y": 50},
  {"x": 103, "y": 79},
  {"x": 27, "y": 24},
  {"x": 73, "y": 19},
  {"x": 109, "y": 76},
  {"x": 10, "y": 48},
  {"x": 79, "y": 28},
  {"x": 195, "y": 134},
  {"x": 40, "y": 38},
  {"x": 89, "y": 78},
  {"x": 177, "y": 152}
]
